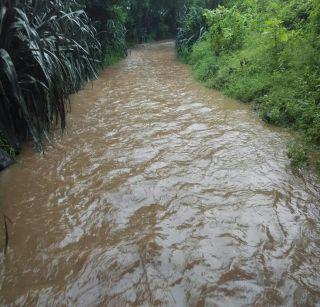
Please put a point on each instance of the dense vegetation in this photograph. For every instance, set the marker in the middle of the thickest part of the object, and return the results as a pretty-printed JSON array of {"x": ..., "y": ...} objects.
[
  {"x": 48, "y": 49},
  {"x": 109, "y": 18},
  {"x": 266, "y": 52},
  {"x": 261, "y": 51}
]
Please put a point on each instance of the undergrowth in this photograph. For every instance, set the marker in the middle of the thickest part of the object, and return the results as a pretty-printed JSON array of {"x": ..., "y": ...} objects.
[{"x": 266, "y": 53}]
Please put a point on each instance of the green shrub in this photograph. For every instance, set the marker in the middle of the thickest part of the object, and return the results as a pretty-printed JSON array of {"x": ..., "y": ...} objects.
[
  {"x": 109, "y": 19},
  {"x": 298, "y": 154},
  {"x": 227, "y": 29},
  {"x": 191, "y": 27}
]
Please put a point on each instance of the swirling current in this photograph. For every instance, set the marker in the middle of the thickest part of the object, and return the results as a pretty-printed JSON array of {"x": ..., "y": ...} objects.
[{"x": 160, "y": 193}]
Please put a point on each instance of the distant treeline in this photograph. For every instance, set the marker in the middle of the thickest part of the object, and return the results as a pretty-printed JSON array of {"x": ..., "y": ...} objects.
[
  {"x": 267, "y": 52},
  {"x": 135, "y": 21}
]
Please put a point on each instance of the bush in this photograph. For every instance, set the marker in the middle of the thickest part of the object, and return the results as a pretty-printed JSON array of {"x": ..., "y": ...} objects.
[
  {"x": 109, "y": 20},
  {"x": 226, "y": 29},
  {"x": 191, "y": 27},
  {"x": 298, "y": 154}
]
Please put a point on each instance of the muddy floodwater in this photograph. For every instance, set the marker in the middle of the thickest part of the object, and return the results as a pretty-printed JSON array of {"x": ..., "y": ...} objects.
[{"x": 160, "y": 193}]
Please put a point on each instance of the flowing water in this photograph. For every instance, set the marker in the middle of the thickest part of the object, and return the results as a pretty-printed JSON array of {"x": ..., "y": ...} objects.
[{"x": 160, "y": 193}]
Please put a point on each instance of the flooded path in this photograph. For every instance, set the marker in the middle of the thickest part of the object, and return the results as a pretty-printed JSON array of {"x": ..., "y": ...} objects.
[{"x": 161, "y": 193}]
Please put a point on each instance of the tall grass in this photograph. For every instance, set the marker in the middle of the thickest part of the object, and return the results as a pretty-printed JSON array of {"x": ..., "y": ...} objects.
[{"x": 48, "y": 49}]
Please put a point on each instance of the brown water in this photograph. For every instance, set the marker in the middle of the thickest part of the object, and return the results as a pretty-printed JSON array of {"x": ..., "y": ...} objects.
[{"x": 160, "y": 193}]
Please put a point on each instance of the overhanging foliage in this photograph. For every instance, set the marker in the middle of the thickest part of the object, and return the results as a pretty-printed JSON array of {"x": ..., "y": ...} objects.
[{"x": 48, "y": 49}]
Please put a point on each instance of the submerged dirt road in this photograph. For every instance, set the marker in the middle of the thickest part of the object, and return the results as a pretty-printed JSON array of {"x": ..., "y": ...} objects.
[{"x": 160, "y": 193}]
